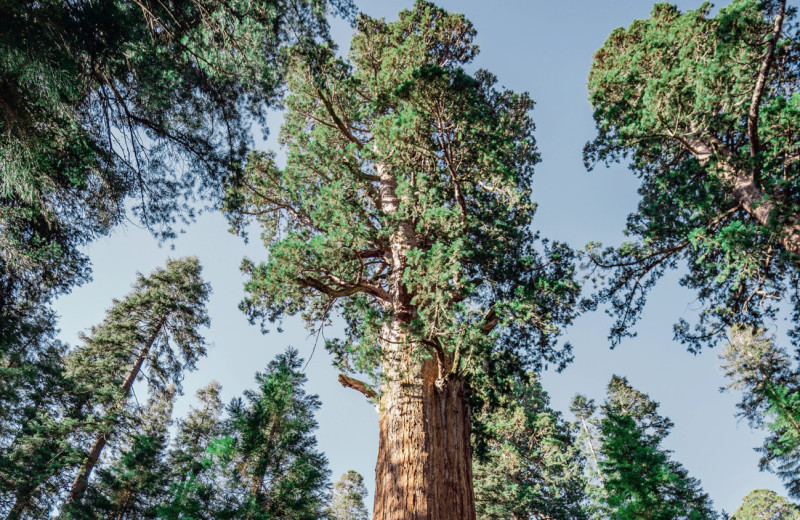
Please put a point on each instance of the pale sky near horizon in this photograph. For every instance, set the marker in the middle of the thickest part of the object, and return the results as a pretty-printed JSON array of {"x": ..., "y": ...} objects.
[{"x": 544, "y": 48}]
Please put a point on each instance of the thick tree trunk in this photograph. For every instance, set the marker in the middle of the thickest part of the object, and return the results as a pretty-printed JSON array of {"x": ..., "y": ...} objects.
[{"x": 424, "y": 468}]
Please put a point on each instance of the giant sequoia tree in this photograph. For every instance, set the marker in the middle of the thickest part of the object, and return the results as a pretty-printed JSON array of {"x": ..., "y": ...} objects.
[
  {"x": 405, "y": 206},
  {"x": 708, "y": 111}
]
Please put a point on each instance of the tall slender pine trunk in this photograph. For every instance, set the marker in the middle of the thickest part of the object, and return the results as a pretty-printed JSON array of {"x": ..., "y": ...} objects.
[{"x": 81, "y": 480}]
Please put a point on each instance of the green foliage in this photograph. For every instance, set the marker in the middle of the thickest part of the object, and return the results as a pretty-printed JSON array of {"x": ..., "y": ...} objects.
[
  {"x": 637, "y": 477},
  {"x": 133, "y": 482},
  {"x": 34, "y": 429},
  {"x": 104, "y": 99},
  {"x": 274, "y": 459},
  {"x": 765, "y": 375},
  {"x": 158, "y": 321},
  {"x": 347, "y": 500},
  {"x": 706, "y": 110},
  {"x": 531, "y": 467},
  {"x": 193, "y": 459},
  {"x": 398, "y": 147},
  {"x": 763, "y": 504}
]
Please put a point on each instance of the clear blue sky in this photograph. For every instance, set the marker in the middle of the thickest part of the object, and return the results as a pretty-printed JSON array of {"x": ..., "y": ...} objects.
[{"x": 544, "y": 48}]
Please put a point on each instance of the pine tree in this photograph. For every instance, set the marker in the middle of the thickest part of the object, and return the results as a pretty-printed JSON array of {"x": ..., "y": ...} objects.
[
  {"x": 134, "y": 482},
  {"x": 405, "y": 206},
  {"x": 153, "y": 333},
  {"x": 347, "y": 501},
  {"x": 707, "y": 110},
  {"x": 194, "y": 460},
  {"x": 764, "y": 374},
  {"x": 532, "y": 468},
  {"x": 105, "y": 99},
  {"x": 633, "y": 477},
  {"x": 276, "y": 470},
  {"x": 641, "y": 480},
  {"x": 35, "y": 424}
]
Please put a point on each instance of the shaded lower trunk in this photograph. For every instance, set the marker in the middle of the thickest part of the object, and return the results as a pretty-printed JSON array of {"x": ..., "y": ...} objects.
[{"x": 424, "y": 468}]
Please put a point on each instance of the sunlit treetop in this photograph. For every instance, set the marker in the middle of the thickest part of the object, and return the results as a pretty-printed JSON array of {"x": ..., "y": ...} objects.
[{"x": 406, "y": 196}]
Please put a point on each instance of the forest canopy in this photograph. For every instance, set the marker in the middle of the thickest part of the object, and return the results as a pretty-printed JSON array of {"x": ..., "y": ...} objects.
[{"x": 396, "y": 219}]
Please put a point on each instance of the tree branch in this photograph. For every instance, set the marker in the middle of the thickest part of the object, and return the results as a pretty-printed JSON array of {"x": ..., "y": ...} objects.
[
  {"x": 752, "y": 115},
  {"x": 337, "y": 121},
  {"x": 355, "y": 384},
  {"x": 490, "y": 321},
  {"x": 346, "y": 289}
]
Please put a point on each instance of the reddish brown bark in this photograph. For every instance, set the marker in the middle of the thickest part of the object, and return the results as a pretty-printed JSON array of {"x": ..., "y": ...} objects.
[{"x": 424, "y": 468}]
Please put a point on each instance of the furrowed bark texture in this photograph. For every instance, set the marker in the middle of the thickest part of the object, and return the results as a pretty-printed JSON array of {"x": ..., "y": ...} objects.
[{"x": 424, "y": 468}]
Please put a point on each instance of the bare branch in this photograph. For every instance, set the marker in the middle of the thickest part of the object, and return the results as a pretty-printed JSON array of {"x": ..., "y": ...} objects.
[
  {"x": 761, "y": 81},
  {"x": 355, "y": 384}
]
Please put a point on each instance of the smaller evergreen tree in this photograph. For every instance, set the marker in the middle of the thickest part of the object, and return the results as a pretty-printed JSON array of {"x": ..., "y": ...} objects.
[
  {"x": 347, "y": 501},
  {"x": 587, "y": 426},
  {"x": 134, "y": 482},
  {"x": 638, "y": 478},
  {"x": 194, "y": 460},
  {"x": 154, "y": 333},
  {"x": 275, "y": 470},
  {"x": 765, "y": 375}
]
